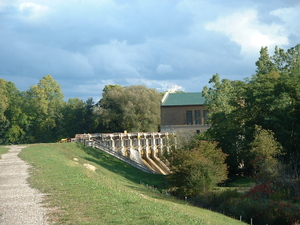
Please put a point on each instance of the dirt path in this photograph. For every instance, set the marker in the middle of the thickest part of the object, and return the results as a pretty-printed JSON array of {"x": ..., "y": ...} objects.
[{"x": 19, "y": 203}]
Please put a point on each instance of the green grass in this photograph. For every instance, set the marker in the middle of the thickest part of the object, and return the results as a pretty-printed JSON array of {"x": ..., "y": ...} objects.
[
  {"x": 3, "y": 150},
  {"x": 110, "y": 195},
  {"x": 241, "y": 182}
]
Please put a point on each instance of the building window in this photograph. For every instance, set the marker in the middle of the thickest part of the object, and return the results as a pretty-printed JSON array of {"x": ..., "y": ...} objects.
[
  {"x": 205, "y": 116},
  {"x": 197, "y": 117},
  {"x": 189, "y": 117}
]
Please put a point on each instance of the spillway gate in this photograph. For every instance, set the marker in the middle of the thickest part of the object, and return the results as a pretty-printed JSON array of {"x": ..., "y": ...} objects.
[{"x": 145, "y": 151}]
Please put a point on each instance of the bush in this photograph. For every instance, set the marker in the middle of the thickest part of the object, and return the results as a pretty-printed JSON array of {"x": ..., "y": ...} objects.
[
  {"x": 196, "y": 167},
  {"x": 214, "y": 199},
  {"x": 261, "y": 210}
]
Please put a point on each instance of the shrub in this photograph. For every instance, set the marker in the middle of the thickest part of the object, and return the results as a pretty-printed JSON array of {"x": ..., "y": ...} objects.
[
  {"x": 261, "y": 210},
  {"x": 196, "y": 167}
]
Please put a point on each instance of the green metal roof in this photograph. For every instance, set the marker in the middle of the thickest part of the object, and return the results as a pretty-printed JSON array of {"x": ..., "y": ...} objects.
[{"x": 188, "y": 98}]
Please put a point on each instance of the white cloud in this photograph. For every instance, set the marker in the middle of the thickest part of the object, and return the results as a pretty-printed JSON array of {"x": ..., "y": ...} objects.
[
  {"x": 32, "y": 10},
  {"x": 173, "y": 88},
  {"x": 245, "y": 29},
  {"x": 290, "y": 17},
  {"x": 160, "y": 85}
]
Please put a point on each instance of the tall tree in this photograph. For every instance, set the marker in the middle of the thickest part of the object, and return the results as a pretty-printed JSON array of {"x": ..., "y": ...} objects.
[
  {"x": 44, "y": 102},
  {"x": 270, "y": 99},
  {"x": 4, "y": 104},
  {"x": 225, "y": 102},
  {"x": 19, "y": 121},
  {"x": 90, "y": 121},
  {"x": 274, "y": 98},
  {"x": 266, "y": 152},
  {"x": 79, "y": 117}
]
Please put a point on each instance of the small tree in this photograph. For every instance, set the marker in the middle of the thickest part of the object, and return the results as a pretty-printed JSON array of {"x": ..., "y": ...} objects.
[
  {"x": 266, "y": 151},
  {"x": 197, "y": 167}
]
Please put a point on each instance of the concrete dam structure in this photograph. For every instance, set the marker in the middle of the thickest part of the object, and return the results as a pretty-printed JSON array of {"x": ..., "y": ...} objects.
[{"x": 145, "y": 151}]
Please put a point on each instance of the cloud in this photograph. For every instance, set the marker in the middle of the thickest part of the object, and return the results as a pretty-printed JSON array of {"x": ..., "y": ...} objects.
[
  {"x": 87, "y": 44},
  {"x": 245, "y": 29},
  {"x": 117, "y": 58},
  {"x": 173, "y": 88},
  {"x": 290, "y": 18},
  {"x": 32, "y": 10}
]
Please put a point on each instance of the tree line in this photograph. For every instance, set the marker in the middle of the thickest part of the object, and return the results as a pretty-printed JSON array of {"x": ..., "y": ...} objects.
[
  {"x": 40, "y": 114},
  {"x": 267, "y": 103},
  {"x": 255, "y": 133},
  {"x": 256, "y": 123}
]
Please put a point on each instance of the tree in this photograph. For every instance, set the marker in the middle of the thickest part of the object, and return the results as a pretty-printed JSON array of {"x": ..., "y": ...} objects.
[
  {"x": 274, "y": 99},
  {"x": 269, "y": 99},
  {"x": 4, "y": 104},
  {"x": 43, "y": 104},
  {"x": 132, "y": 108},
  {"x": 266, "y": 152},
  {"x": 73, "y": 113},
  {"x": 18, "y": 120},
  {"x": 90, "y": 121},
  {"x": 225, "y": 103},
  {"x": 196, "y": 166},
  {"x": 78, "y": 117}
]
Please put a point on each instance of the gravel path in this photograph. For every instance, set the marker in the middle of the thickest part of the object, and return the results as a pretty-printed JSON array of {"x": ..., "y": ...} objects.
[{"x": 19, "y": 203}]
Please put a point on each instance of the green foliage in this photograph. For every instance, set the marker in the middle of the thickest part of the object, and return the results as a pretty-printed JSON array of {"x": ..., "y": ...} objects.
[
  {"x": 43, "y": 104},
  {"x": 196, "y": 167},
  {"x": 240, "y": 182},
  {"x": 254, "y": 205},
  {"x": 19, "y": 121},
  {"x": 270, "y": 99},
  {"x": 13, "y": 121},
  {"x": 3, "y": 97},
  {"x": 261, "y": 212},
  {"x": 255, "y": 124},
  {"x": 225, "y": 102},
  {"x": 133, "y": 108},
  {"x": 4, "y": 123},
  {"x": 266, "y": 151},
  {"x": 3, "y": 150},
  {"x": 78, "y": 117},
  {"x": 41, "y": 115}
]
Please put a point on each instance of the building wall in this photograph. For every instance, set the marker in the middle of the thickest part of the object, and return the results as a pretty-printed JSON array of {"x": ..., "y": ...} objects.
[
  {"x": 177, "y": 115},
  {"x": 192, "y": 129}
]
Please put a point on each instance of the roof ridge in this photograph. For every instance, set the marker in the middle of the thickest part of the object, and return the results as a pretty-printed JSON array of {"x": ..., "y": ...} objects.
[{"x": 165, "y": 96}]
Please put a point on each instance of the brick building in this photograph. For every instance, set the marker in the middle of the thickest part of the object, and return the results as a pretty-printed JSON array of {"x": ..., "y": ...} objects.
[{"x": 183, "y": 112}]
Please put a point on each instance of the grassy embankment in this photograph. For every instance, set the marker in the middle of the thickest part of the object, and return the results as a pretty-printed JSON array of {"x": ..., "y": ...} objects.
[
  {"x": 3, "y": 150},
  {"x": 110, "y": 195}
]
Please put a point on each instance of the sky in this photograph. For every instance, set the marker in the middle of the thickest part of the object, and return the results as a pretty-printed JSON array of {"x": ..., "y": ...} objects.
[{"x": 162, "y": 44}]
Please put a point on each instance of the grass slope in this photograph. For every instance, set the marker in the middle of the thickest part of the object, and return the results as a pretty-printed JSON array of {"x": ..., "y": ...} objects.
[
  {"x": 3, "y": 150},
  {"x": 110, "y": 195}
]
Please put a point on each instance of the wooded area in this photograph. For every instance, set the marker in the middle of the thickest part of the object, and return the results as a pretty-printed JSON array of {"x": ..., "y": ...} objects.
[
  {"x": 254, "y": 133},
  {"x": 269, "y": 99},
  {"x": 41, "y": 114}
]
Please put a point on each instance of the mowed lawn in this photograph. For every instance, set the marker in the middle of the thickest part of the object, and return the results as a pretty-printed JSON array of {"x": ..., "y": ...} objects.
[
  {"x": 112, "y": 194},
  {"x": 3, "y": 150}
]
